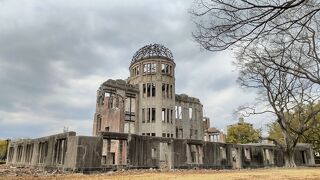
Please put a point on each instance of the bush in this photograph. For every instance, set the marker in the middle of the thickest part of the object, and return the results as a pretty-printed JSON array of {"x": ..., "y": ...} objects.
[{"x": 3, "y": 149}]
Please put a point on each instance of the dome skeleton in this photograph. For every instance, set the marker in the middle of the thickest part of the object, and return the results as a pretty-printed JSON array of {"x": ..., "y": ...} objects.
[{"x": 150, "y": 51}]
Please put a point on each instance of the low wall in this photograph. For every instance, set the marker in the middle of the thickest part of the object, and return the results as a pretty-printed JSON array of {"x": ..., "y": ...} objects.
[
  {"x": 64, "y": 151},
  {"x": 67, "y": 151}
]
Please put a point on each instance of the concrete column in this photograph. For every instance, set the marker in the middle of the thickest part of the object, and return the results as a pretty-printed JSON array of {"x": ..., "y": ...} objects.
[
  {"x": 311, "y": 161},
  {"x": 120, "y": 148},
  {"x": 35, "y": 154},
  {"x": 108, "y": 154},
  {"x": 188, "y": 153},
  {"x": 8, "y": 153},
  {"x": 200, "y": 150}
]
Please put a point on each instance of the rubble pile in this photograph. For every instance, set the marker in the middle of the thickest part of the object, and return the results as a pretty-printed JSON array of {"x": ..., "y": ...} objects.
[{"x": 27, "y": 171}]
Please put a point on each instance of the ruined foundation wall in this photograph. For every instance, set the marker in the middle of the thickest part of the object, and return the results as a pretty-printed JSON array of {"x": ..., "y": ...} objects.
[
  {"x": 42, "y": 152},
  {"x": 216, "y": 155},
  {"x": 143, "y": 152},
  {"x": 61, "y": 151},
  {"x": 70, "y": 152},
  {"x": 149, "y": 152}
]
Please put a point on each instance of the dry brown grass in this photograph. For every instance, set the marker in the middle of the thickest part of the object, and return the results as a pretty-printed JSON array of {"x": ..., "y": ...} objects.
[{"x": 272, "y": 173}]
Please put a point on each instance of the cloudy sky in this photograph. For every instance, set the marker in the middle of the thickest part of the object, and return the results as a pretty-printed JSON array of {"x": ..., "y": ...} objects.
[{"x": 54, "y": 54}]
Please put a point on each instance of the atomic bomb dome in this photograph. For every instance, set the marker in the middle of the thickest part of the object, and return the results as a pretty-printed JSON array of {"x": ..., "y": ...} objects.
[
  {"x": 152, "y": 51},
  {"x": 141, "y": 122}
]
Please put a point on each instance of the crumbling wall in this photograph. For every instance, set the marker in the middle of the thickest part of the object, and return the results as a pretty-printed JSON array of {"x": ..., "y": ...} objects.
[
  {"x": 278, "y": 158},
  {"x": 60, "y": 151},
  {"x": 140, "y": 152},
  {"x": 84, "y": 153},
  {"x": 189, "y": 117},
  {"x": 116, "y": 107},
  {"x": 255, "y": 156},
  {"x": 44, "y": 152},
  {"x": 180, "y": 153},
  {"x": 303, "y": 155}
]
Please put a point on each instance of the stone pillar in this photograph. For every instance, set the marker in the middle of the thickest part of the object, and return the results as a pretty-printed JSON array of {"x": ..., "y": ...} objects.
[
  {"x": 120, "y": 148},
  {"x": 311, "y": 161},
  {"x": 35, "y": 154},
  {"x": 108, "y": 154}
]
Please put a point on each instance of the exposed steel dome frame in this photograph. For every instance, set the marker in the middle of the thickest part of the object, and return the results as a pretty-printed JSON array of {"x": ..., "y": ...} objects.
[{"x": 152, "y": 51}]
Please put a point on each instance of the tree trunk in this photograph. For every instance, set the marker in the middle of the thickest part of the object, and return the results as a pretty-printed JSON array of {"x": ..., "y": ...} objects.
[
  {"x": 288, "y": 150},
  {"x": 289, "y": 158}
]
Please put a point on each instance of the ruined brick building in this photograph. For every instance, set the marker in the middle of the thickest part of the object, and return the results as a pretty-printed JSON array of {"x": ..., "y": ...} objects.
[
  {"x": 146, "y": 103},
  {"x": 142, "y": 123}
]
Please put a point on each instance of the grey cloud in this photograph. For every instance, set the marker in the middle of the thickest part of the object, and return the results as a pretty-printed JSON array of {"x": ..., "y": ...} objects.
[{"x": 46, "y": 45}]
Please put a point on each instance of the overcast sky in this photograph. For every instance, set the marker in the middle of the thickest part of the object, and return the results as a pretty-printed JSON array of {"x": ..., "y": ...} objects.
[{"x": 55, "y": 54}]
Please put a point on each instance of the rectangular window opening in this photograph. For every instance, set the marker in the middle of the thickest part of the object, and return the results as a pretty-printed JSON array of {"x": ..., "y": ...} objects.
[
  {"x": 168, "y": 115},
  {"x": 148, "y": 68},
  {"x": 145, "y": 68},
  {"x": 179, "y": 112},
  {"x": 223, "y": 153},
  {"x": 163, "y": 114},
  {"x": 148, "y": 115},
  {"x": 148, "y": 89},
  {"x": 247, "y": 153},
  {"x": 144, "y": 90},
  {"x": 163, "y": 90},
  {"x": 177, "y": 132},
  {"x": 167, "y": 69},
  {"x": 143, "y": 116},
  {"x": 163, "y": 67},
  {"x": 153, "y": 90},
  {"x": 153, "y": 112},
  {"x": 153, "y": 153},
  {"x": 153, "y": 67}
]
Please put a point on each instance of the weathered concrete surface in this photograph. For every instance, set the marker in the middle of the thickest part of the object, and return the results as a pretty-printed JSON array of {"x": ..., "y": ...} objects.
[
  {"x": 60, "y": 151},
  {"x": 158, "y": 152},
  {"x": 84, "y": 153}
]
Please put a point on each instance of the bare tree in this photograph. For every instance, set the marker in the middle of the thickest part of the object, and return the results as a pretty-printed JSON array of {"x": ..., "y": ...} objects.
[
  {"x": 285, "y": 94},
  {"x": 223, "y": 24}
]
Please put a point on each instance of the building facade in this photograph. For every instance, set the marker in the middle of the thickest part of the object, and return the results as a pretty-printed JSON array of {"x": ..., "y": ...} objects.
[
  {"x": 212, "y": 134},
  {"x": 146, "y": 103}
]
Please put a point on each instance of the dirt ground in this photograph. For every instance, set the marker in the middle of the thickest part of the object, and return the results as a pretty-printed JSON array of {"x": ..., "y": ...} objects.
[{"x": 252, "y": 174}]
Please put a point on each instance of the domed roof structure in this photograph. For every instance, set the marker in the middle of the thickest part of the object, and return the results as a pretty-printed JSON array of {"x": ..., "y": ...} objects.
[{"x": 152, "y": 51}]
